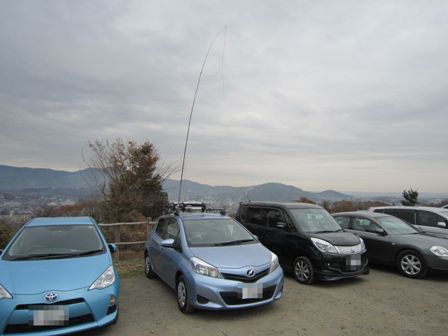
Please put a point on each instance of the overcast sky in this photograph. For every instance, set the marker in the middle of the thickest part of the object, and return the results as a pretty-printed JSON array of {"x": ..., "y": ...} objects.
[{"x": 345, "y": 95}]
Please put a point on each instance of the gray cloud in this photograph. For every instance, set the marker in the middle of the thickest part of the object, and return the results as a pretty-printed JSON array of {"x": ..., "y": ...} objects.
[{"x": 346, "y": 95}]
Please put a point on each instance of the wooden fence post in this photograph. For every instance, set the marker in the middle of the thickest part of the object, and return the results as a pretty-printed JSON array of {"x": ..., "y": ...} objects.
[{"x": 117, "y": 240}]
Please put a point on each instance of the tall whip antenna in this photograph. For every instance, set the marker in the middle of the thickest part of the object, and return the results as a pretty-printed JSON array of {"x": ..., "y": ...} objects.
[{"x": 192, "y": 108}]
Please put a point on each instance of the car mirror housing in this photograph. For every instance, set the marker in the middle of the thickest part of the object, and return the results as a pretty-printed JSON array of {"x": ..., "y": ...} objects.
[
  {"x": 167, "y": 243},
  {"x": 281, "y": 225},
  {"x": 112, "y": 248},
  {"x": 441, "y": 224}
]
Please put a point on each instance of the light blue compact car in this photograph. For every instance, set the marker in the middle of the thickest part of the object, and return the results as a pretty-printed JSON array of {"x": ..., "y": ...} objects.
[
  {"x": 212, "y": 262},
  {"x": 56, "y": 277}
]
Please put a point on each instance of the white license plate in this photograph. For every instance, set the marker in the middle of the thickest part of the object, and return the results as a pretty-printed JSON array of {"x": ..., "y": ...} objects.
[
  {"x": 353, "y": 262},
  {"x": 252, "y": 291},
  {"x": 50, "y": 316}
]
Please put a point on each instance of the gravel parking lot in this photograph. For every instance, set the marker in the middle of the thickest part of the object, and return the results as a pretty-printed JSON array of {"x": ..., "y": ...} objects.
[{"x": 382, "y": 303}]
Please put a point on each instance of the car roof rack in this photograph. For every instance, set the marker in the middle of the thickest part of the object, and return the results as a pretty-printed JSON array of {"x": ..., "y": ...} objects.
[{"x": 194, "y": 207}]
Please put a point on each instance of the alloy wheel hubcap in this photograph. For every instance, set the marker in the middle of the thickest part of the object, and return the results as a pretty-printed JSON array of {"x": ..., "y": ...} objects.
[
  {"x": 411, "y": 265},
  {"x": 181, "y": 294},
  {"x": 302, "y": 270}
]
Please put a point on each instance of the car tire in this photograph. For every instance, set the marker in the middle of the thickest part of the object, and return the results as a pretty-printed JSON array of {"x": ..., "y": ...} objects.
[
  {"x": 303, "y": 270},
  {"x": 411, "y": 264},
  {"x": 182, "y": 296},
  {"x": 149, "y": 271}
]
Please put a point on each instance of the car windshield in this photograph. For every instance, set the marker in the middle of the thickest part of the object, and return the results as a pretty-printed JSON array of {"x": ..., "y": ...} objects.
[
  {"x": 444, "y": 212},
  {"x": 216, "y": 232},
  {"x": 394, "y": 225},
  {"x": 315, "y": 221},
  {"x": 55, "y": 241}
]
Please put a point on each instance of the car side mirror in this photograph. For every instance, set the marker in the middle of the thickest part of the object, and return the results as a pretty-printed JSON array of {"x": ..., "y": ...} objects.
[
  {"x": 112, "y": 248},
  {"x": 167, "y": 243},
  {"x": 281, "y": 225},
  {"x": 441, "y": 224}
]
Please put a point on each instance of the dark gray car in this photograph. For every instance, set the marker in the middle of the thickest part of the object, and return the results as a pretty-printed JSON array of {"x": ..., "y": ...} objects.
[{"x": 391, "y": 241}]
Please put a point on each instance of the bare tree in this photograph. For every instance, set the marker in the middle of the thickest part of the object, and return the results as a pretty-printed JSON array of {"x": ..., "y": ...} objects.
[{"x": 132, "y": 185}]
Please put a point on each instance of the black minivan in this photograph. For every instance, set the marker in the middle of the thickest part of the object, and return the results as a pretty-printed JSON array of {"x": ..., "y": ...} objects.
[{"x": 307, "y": 240}]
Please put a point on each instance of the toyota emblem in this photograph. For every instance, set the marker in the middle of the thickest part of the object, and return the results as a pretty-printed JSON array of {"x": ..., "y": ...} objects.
[
  {"x": 51, "y": 297},
  {"x": 250, "y": 272}
]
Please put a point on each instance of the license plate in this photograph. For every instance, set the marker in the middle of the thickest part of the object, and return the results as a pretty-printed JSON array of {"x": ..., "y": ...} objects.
[
  {"x": 353, "y": 262},
  {"x": 252, "y": 291},
  {"x": 50, "y": 316}
]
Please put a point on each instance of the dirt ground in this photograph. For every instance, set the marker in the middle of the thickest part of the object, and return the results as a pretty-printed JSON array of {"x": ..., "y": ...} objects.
[{"x": 382, "y": 303}]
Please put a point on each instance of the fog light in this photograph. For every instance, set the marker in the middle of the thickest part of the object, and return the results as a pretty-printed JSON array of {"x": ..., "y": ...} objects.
[{"x": 112, "y": 301}]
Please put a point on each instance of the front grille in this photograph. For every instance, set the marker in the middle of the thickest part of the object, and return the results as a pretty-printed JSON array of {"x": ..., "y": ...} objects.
[
  {"x": 235, "y": 298},
  {"x": 244, "y": 278},
  {"x": 26, "y": 328},
  {"x": 58, "y": 303},
  {"x": 349, "y": 249}
]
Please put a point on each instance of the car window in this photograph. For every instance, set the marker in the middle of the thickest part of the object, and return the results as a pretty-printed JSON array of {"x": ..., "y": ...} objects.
[
  {"x": 216, "y": 232},
  {"x": 257, "y": 216},
  {"x": 172, "y": 229},
  {"x": 314, "y": 220},
  {"x": 366, "y": 225},
  {"x": 161, "y": 227},
  {"x": 343, "y": 221},
  {"x": 427, "y": 218},
  {"x": 55, "y": 241},
  {"x": 406, "y": 215},
  {"x": 274, "y": 216},
  {"x": 394, "y": 225}
]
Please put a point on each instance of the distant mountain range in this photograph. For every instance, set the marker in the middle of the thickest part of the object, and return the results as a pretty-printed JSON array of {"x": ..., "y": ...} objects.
[
  {"x": 14, "y": 178},
  {"x": 275, "y": 192}
]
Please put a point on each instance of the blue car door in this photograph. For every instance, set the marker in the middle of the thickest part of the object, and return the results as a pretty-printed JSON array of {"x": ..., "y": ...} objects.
[
  {"x": 154, "y": 244},
  {"x": 169, "y": 256}
]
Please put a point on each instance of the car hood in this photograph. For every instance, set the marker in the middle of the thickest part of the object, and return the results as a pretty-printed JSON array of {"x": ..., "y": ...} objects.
[
  {"x": 421, "y": 240},
  {"x": 236, "y": 256},
  {"x": 338, "y": 238},
  {"x": 39, "y": 276}
]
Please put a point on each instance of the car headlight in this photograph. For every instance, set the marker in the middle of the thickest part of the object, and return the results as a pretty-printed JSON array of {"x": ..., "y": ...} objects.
[
  {"x": 274, "y": 262},
  {"x": 4, "y": 294},
  {"x": 324, "y": 246},
  {"x": 439, "y": 251},
  {"x": 201, "y": 267},
  {"x": 363, "y": 246},
  {"x": 104, "y": 280}
]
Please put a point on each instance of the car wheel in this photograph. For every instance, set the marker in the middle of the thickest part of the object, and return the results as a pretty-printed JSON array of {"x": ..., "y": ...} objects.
[
  {"x": 182, "y": 296},
  {"x": 149, "y": 271},
  {"x": 411, "y": 264},
  {"x": 303, "y": 270}
]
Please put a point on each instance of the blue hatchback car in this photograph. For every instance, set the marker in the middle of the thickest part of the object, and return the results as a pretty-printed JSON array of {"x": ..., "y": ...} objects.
[
  {"x": 56, "y": 277},
  {"x": 213, "y": 262}
]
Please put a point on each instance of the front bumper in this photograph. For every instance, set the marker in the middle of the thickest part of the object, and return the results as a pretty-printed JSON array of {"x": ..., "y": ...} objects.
[
  {"x": 334, "y": 267},
  {"x": 86, "y": 310},
  {"x": 215, "y": 294},
  {"x": 436, "y": 263}
]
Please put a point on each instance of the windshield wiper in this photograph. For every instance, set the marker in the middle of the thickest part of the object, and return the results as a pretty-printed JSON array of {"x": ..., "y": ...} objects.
[
  {"x": 327, "y": 231},
  {"x": 234, "y": 242},
  {"x": 54, "y": 255}
]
